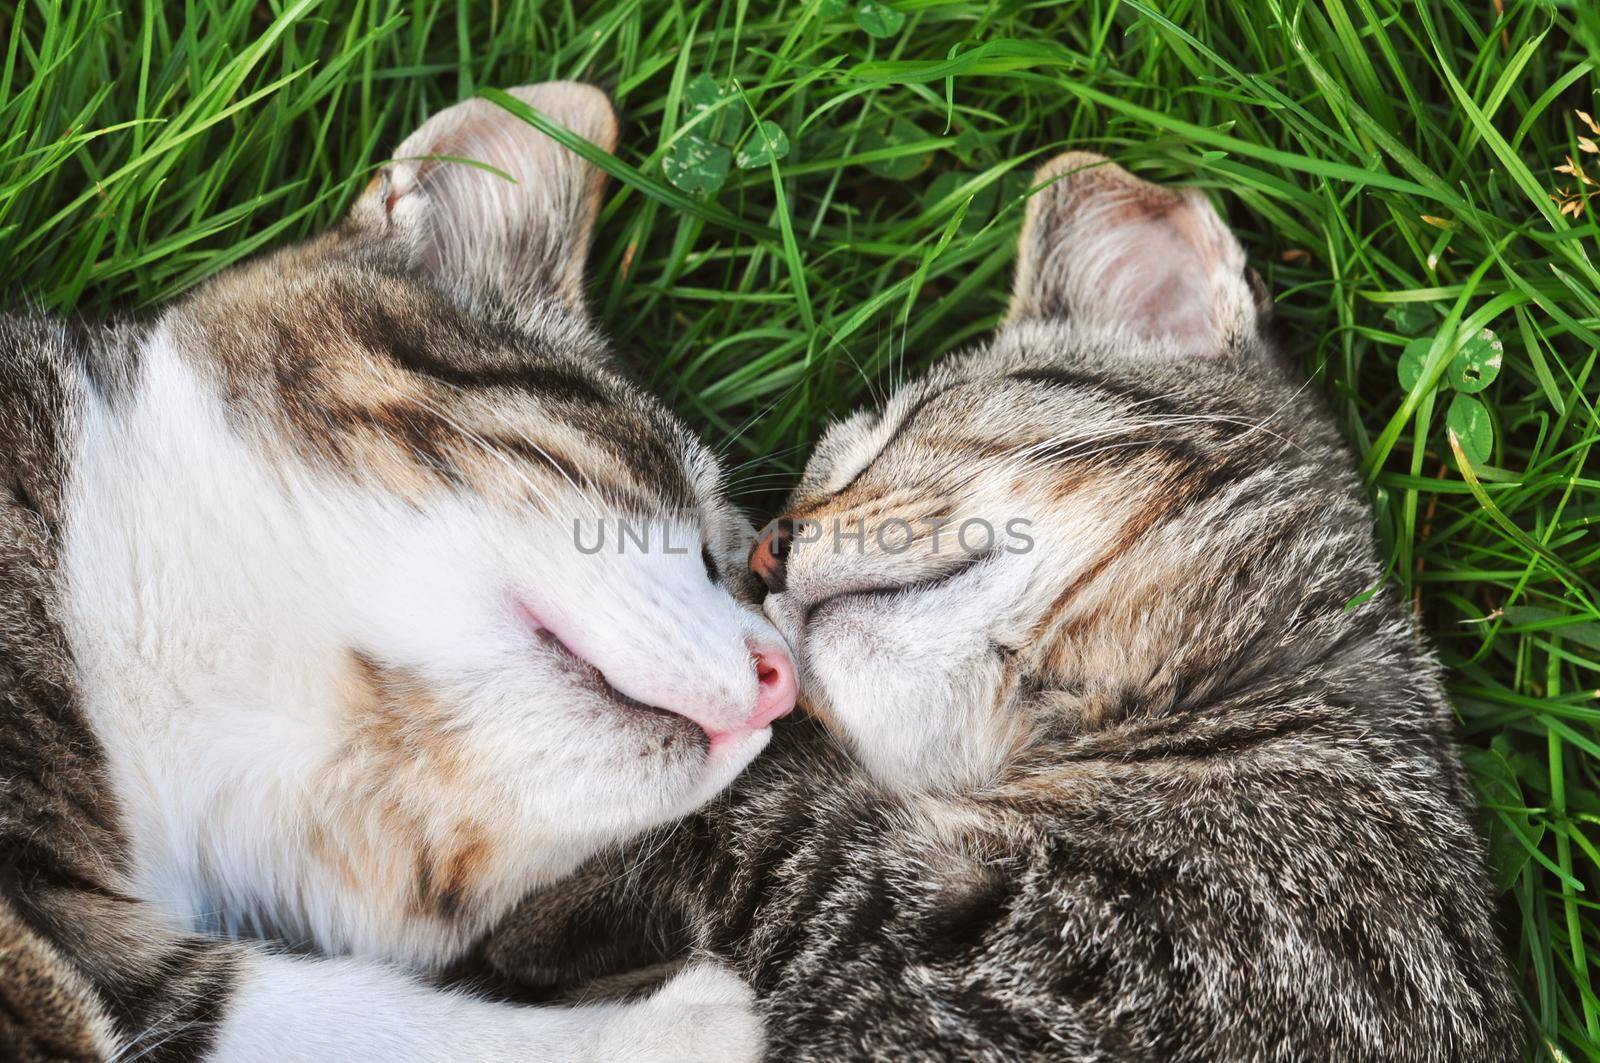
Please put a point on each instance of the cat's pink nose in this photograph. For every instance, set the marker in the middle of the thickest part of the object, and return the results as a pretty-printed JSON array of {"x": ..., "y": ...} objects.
[
  {"x": 776, "y": 687},
  {"x": 776, "y": 690}
]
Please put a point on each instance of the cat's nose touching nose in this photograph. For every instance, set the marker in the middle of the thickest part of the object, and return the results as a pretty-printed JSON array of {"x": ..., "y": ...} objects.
[
  {"x": 776, "y": 687},
  {"x": 770, "y": 557}
]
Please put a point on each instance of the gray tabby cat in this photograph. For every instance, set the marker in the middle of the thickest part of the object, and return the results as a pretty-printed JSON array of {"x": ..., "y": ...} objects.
[
  {"x": 295, "y": 640},
  {"x": 1150, "y": 789}
]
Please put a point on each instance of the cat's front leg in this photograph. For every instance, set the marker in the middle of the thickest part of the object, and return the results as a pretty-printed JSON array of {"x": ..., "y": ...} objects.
[
  {"x": 704, "y": 1014},
  {"x": 289, "y": 1009},
  {"x": 611, "y": 916}
]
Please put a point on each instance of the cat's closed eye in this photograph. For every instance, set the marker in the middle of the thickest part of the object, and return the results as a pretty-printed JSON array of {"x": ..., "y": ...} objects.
[{"x": 941, "y": 576}]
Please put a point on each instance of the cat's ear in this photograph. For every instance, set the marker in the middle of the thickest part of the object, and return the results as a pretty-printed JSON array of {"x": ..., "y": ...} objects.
[
  {"x": 520, "y": 233},
  {"x": 1110, "y": 252}
]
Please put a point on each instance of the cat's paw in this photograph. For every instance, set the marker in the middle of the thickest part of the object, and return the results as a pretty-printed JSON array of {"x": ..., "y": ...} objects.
[{"x": 705, "y": 1014}]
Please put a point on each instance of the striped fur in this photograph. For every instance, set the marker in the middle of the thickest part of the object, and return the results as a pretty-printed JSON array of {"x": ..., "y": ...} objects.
[
  {"x": 1174, "y": 784},
  {"x": 296, "y": 642}
]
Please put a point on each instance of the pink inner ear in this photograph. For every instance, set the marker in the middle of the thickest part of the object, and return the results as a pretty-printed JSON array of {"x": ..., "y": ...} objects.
[
  {"x": 1148, "y": 264},
  {"x": 1113, "y": 253},
  {"x": 521, "y": 239},
  {"x": 1158, "y": 287}
]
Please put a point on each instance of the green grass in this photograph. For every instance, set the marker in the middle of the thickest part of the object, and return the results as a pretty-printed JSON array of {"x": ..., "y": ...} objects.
[{"x": 1388, "y": 165}]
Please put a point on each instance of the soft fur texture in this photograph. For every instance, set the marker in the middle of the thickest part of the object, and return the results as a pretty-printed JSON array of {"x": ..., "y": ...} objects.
[
  {"x": 1176, "y": 783},
  {"x": 296, "y": 641}
]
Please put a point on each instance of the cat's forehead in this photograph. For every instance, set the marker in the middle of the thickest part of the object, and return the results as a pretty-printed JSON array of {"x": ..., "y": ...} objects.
[{"x": 366, "y": 370}]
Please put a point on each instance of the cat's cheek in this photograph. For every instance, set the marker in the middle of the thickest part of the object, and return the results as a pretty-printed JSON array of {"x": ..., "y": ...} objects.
[{"x": 917, "y": 698}]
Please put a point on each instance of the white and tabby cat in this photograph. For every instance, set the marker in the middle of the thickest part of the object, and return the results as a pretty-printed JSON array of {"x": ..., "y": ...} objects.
[
  {"x": 1165, "y": 786},
  {"x": 295, "y": 638}
]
